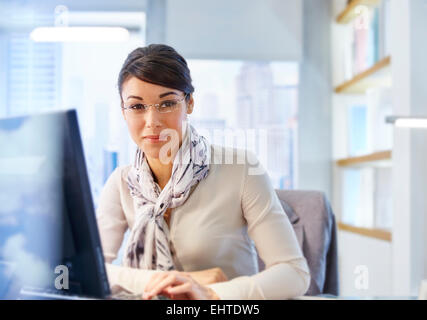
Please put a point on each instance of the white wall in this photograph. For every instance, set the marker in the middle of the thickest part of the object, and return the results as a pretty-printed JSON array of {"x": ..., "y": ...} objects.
[
  {"x": 360, "y": 256},
  {"x": 409, "y": 68},
  {"x": 315, "y": 91},
  {"x": 223, "y": 29}
]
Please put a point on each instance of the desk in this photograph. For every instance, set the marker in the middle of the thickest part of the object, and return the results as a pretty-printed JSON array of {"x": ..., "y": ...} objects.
[{"x": 332, "y": 297}]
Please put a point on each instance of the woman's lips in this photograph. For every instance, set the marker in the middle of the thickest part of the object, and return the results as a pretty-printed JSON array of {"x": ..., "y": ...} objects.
[{"x": 153, "y": 138}]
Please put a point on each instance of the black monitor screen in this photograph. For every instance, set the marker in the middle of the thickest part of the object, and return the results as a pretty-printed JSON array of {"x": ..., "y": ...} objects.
[{"x": 47, "y": 219}]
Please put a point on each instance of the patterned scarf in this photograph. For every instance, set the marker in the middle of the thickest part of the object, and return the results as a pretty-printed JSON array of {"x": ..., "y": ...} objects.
[{"x": 149, "y": 244}]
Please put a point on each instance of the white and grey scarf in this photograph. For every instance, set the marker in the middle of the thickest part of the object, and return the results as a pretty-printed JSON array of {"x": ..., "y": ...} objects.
[{"x": 149, "y": 244}]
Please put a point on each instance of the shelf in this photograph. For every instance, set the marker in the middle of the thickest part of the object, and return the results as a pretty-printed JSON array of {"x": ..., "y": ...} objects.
[
  {"x": 379, "y": 75},
  {"x": 365, "y": 160},
  {"x": 351, "y": 12},
  {"x": 368, "y": 232}
]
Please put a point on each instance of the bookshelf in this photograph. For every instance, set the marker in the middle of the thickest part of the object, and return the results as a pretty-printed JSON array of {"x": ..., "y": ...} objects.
[
  {"x": 351, "y": 10},
  {"x": 376, "y": 158},
  {"x": 368, "y": 232},
  {"x": 362, "y": 78},
  {"x": 372, "y": 233},
  {"x": 379, "y": 75}
]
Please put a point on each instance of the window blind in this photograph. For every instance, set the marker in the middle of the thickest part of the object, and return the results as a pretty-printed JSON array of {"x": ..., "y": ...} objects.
[{"x": 33, "y": 75}]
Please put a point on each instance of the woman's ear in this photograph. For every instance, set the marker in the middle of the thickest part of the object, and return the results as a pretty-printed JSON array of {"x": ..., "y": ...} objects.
[
  {"x": 123, "y": 110},
  {"x": 190, "y": 104}
]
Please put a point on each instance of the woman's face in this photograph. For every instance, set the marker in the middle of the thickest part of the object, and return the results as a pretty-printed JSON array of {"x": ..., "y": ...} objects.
[{"x": 151, "y": 130}]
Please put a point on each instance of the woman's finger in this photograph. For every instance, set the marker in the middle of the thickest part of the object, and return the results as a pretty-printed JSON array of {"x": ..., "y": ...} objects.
[
  {"x": 183, "y": 288},
  {"x": 171, "y": 279},
  {"x": 155, "y": 280}
]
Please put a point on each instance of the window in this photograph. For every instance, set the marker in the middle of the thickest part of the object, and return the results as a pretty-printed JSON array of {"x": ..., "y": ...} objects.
[
  {"x": 47, "y": 76},
  {"x": 88, "y": 84},
  {"x": 250, "y": 105},
  {"x": 33, "y": 71}
]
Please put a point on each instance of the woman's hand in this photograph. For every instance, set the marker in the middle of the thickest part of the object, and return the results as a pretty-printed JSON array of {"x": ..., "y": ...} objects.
[{"x": 177, "y": 286}]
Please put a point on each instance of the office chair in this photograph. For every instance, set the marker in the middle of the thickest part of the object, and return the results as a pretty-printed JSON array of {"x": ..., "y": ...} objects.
[{"x": 314, "y": 224}]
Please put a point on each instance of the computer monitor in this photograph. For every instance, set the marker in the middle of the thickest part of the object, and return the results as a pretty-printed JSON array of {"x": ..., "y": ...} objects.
[{"x": 47, "y": 216}]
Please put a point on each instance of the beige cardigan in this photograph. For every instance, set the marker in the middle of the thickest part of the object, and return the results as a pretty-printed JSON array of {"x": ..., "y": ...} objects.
[{"x": 214, "y": 228}]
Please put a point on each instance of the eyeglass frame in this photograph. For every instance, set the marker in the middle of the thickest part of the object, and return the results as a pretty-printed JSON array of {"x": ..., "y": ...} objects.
[{"x": 157, "y": 105}]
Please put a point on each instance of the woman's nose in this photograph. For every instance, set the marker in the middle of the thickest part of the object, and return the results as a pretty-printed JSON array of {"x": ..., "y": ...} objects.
[{"x": 152, "y": 117}]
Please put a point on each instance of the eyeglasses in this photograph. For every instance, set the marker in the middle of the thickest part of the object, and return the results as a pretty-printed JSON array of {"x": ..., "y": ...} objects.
[{"x": 162, "y": 107}]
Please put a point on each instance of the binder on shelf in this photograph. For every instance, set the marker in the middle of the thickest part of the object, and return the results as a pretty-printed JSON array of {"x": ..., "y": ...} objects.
[
  {"x": 379, "y": 106},
  {"x": 357, "y": 130},
  {"x": 358, "y": 197}
]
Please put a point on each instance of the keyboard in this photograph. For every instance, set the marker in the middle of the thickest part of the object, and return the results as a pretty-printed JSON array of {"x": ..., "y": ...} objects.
[
  {"x": 135, "y": 296},
  {"x": 31, "y": 293}
]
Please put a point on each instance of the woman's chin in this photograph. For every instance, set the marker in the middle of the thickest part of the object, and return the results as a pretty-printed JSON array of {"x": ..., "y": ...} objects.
[
  {"x": 160, "y": 150},
  {"x": 152, "y": 150}
]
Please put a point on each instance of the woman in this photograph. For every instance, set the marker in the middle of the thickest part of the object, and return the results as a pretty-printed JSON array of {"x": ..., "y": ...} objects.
[{"x": 192, "y": 214}]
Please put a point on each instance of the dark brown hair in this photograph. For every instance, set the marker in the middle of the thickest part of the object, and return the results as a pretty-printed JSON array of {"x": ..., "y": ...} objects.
[{"x": 158, "y": 64}]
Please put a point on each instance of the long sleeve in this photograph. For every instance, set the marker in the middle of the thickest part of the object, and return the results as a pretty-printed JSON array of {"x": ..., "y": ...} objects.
[
  {"x": 286, "y": 274},
  {"x": 112, "y": 225}
]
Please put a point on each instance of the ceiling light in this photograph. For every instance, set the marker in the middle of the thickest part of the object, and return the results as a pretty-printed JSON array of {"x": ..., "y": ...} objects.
[
  {"x": 408, "y": 122},
  {"x": 80, "y": 34}
]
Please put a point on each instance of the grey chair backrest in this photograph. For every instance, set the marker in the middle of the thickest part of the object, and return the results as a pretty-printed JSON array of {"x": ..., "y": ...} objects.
[{"x": 314, "y": 224}]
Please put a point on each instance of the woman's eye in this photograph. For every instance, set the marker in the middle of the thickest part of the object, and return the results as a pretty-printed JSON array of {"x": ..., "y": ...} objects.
[
  {"x": 138, "y": 107},
  {"x": 168, "y": 104}
]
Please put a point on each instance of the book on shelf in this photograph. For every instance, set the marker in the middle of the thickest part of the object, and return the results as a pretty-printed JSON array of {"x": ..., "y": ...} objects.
[
  {"x": 360, "y": 44},
  {"x": 358, "y": 197},
  {"x": 373, "y": 53},
  {"x": 384, "y": 29},
  {"x": 357, "y": 130},
  {"x": 379, "y": 106},
  {"x": 383, "y": 198},
  {"x": 367, "y": 130},
  {"x": 367, "y": 40},
  {"x": 367, "y": 198},
  {"x": 348, "y": 56}
]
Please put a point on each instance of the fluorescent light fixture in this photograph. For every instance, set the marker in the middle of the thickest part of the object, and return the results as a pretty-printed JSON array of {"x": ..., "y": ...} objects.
[
  {"x": 408, "y": 122},
  {"x": 80, "y": 34},
  {"x": 125, "y": 19}
]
